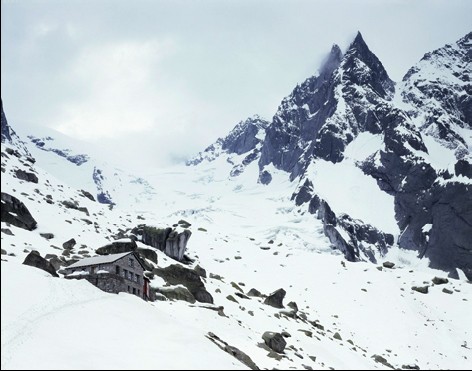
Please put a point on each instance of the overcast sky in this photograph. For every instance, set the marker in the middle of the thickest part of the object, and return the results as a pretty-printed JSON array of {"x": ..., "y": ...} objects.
[{"x": 161, "y": 80}]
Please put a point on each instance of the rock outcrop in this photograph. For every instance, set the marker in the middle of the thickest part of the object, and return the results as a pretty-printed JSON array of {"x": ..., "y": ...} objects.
[
  {"x": 276, "y": 299},
  {"x": 34, "y": 259},
  {"x": 117, "y": 247},
  {"x": 14, "y": 211},
  {"x": 170, "y": 241},
  {"x": 274, "y": 341},
  {"x": 178, "y": 275}
]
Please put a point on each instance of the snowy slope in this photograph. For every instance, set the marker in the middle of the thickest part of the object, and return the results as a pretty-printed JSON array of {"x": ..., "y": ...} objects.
[
  {"x": 79, "y": 165},
  {"x": 437, "y": 94},
  {"x": 249, "y": 237}
]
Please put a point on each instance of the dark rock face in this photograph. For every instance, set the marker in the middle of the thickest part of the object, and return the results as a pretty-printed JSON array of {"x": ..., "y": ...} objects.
[
  {"x": 442, "y": 98},
  {"x": 171, "y": 242},
  {"x": 148, "y": 254},
  {"x": 362, "y": 236},
  {"x": 178, "y": 275},
  {"x": 13, "y": 211},
  {"x": 352, "y": 94},
  {"x": 299, "y": 118},
  {"x": 103, "y": 196},
  {"x": 46, "y": 144},
  {"x": 274, "y": 341},
  {"x": 448, "y": 208},
  {"x": 265, "y": 177},
  {"x": 25, "y": 175},
  {"x": 33, "y": 259},
  {"x": 440, "y": 281},
  {"x": 309, "y": 124},
  {"x": 88, "y": 195},
  {"x": 245, "y": 137},
  {"x": 69, "y": 245},
  {"x": 276, "y": 299},
  {"x": 176, "y": 293},
  {"x": 200, "y": 271},
  {"x": 420, "y": 289},
  {"x": 464, "y": 168},
  {"x": 5, "y": 128},
  {"x": 117, "y": 247},
  {"x": 254, "y": 292}
]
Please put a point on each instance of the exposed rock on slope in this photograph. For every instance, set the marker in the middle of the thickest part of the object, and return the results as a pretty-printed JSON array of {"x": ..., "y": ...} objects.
[
  {"x": 172, "y": 242},
  {"x": 15, "y": 212}
]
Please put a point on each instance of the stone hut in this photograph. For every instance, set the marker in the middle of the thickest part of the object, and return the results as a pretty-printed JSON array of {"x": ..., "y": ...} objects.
[{"x": 113, "y": 273}]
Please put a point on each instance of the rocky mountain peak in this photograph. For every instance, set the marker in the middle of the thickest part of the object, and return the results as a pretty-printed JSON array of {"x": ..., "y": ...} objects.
[
  {"x": 246, "y": 135},
  {"x": 438, "y": 94},
  {"x": 362, "y": 67}
]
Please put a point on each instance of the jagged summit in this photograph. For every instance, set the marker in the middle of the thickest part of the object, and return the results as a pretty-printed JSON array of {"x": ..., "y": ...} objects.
[
  {"x": 245, "y": 137},
  {"x": 363, "y": 67}
]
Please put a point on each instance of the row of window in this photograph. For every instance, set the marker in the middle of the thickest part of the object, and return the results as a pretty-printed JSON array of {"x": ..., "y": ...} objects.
[
  {"x": 134, "y": 291},
  {"x": 129, "y": 275}
]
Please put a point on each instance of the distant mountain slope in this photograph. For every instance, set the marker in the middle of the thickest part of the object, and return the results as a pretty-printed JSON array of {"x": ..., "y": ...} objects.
[{"x": 414, "y": 143}]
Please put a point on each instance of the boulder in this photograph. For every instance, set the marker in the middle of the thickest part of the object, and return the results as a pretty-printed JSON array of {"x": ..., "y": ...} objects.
[
  {"x": 7, "y": 231},
  {"x": 176, "y": 293},
  {"x": 69, "y": 245},
  {"x": 167, "y": 240},
  {"x": 254, "y": 292},
  {"x": 88, "y": 195},
  {"x": 33, "y": 259},
  {"x": 147, "y": 253},
  {"x": 184, "y": 223},
  {"x": 420, "y": 289},
  {"x": 389, "y": 265},
  {"x": 200, "y": 271},
  {"x": 27, "y": 176},
  {"x": 203, "y": 296},
  {"x": 176, "y": 244},
  {"x": 276, "y": 299},
  {"x": 379, "y": 359},
  {"x": 70, "y": 204},
  {"x": 178, "y": 275},
  {"x": 14, "y": 211},
  {"x": 440, "y": 280},
  {"x": 274, "y": 341},
  {"x": 47, "y": 236},
  {"x": 117, "y": 247}
]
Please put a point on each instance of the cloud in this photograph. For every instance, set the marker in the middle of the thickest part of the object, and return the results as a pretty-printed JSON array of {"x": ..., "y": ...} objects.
[
  {"x": 161, "y": 80},
  {"x": 117, "y": 82}
]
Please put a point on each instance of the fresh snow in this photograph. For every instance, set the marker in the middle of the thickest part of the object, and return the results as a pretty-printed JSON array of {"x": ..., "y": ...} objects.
[
  {"x": 60, "y": 323},
  {"x": 348, "y": 190}
]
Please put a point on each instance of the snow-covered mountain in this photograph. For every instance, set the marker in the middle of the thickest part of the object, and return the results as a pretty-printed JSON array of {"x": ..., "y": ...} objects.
[
  {"x": 381, "y": 167},
  {"x": 345, "y": 201},
  {"x": 437, "y": 92},
  {"x": 80, "y": 165}
]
